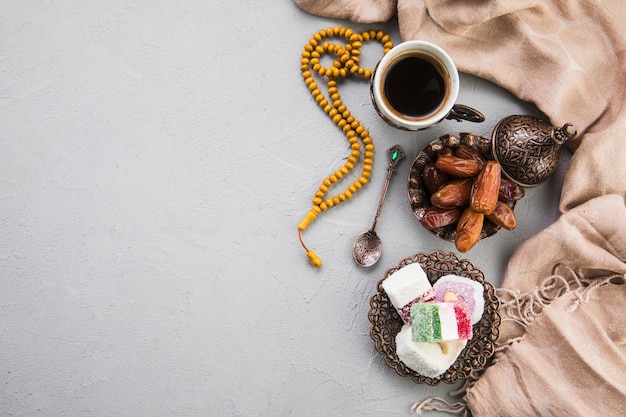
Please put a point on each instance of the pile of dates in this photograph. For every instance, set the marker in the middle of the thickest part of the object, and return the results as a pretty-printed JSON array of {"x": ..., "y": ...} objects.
[{"x": 465, "y": 189}]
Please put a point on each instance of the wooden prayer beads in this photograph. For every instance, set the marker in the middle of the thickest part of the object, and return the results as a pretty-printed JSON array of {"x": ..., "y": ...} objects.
[{"x": 346, "y": 64}]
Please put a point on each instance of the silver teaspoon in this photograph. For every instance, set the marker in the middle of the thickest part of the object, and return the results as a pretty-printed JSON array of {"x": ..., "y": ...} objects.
[{"x": 367, "y": 246}]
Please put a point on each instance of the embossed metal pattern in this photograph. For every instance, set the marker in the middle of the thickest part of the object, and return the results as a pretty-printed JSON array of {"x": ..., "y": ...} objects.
[
  {"x": 386, "y": 323},
  {"x": 528, "y": 148},
  {"x": 419, "y": 197}
]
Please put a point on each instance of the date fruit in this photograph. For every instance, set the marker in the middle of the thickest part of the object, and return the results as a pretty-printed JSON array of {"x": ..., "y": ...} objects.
[
  {"x": 458, "y": 167},
  {"x": 436, "y": 217},
  {"x": 468, "y": 229},
  {"x": 486, "y": 188},
  {"x": 466, "y": 152},
  {"x": 446, "y": 151},
  {"x": 509, "y": 190},
  {"x": 434, "y": 178},
  {"x": 503, "y": 216},
  {"x": 453, "y": 194},
  {"x": 465, "y": 189}
]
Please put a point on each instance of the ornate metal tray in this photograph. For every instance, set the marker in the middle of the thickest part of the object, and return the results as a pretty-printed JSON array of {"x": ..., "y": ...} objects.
[
  {"x": 386, "y": 323},
  {"x": 419, "y": 197}
]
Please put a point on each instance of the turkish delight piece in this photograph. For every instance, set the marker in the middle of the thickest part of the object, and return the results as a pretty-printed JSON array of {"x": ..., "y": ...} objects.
[
  {"x": 427, "y": 359},
  {"x": 440, "y": 322},
  {"x": 407, "y": 286},
  {"x": 467, "y": 289}
]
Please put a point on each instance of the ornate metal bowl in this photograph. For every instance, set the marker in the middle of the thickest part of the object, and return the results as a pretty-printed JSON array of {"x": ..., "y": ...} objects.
[
  {"x": 386, "y": 323},
  {"x": 419, "y": 197}
]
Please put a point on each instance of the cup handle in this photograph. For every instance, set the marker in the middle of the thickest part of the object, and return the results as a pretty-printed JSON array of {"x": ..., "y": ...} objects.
[{"x": 461, "y": 112}]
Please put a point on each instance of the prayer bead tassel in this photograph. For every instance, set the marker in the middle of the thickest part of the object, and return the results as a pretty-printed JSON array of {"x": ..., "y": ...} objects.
[{"x": 345, "y": 63}]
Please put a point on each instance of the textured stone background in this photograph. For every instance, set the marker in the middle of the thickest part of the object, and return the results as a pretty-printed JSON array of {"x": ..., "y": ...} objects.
[{"x": 155, "y": 159}]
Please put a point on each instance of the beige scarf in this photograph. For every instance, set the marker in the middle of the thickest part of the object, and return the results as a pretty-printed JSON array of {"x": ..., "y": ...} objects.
[{"x": 562, "y": 347}]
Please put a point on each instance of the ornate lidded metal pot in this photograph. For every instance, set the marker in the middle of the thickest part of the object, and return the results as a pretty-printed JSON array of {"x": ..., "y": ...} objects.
[{"x": 528, "y": 148}]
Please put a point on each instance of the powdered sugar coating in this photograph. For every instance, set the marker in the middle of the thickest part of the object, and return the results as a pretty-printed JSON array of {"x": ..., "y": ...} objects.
[
  {"x": 426, "y": 359},
  {"x": 407, "y": 286},
  {"x": 468, "y": 290}
]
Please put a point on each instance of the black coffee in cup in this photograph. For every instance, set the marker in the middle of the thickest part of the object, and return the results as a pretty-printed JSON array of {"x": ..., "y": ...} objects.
[{"x": 414, "y": 86}]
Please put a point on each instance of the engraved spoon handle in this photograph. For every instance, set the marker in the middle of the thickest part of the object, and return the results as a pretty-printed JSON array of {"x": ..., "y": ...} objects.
[{"x": 394, "y": 155}]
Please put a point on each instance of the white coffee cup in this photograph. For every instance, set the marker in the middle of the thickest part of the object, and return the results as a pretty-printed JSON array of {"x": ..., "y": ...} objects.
[{"x": 416, "y": 85}]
